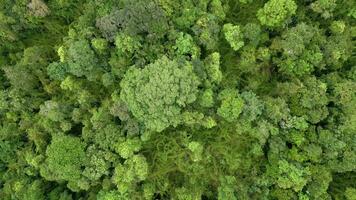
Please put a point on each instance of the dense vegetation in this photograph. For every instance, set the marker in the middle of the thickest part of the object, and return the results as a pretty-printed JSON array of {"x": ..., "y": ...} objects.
[{"x": 177, "y": 99}]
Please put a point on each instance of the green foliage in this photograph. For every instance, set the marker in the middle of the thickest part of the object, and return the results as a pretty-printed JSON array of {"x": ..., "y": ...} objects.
[
  {"x": 110, "y": 195},
  {"x": 350, "y": 193},
  {"x": 337, "y": 27},
  {"x": 231, "y": 105},
  {"x": 132, "y": 171},
  {"x": 276, "y": 109},
  {"x": 185, "y": 45},
  {"x": 290, "y": 176},
  {"x": 212, "y": 67},
  {"x": 207, "y": 31},
  {"x": 137, "y": 17},
  {"x": 129, "y": 147},
  {"x": 309, "y": 100},
  {"x": 81, "y": 59},
  {"x": 234, "y": 36},
  {"x": 207, "y": 98},
  {"x": 324, "y": 7},
  {"x": 275, "y": 12},
  {"x": 226, "y": 188},
  {"x": 300, "y": 47},
  {"x": 98, "y": 163},
  {"x": 57, "y": 71},
  {"x": 252, "y": 107},
  {"x": 252, "y": 32},
  {"x": 177, "y": 99},
  {"x": 197, "y": 149},
  {"x": 100, "y": 45},
  {"x": 126, "y": 45},
  {"x": 157, "y": 94},
  {"x": 65, "y": 157}
]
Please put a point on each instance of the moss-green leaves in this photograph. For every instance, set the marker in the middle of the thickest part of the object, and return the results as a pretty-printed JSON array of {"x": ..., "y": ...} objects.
[
  {"x": 131, "y": 172},
  {"x": 275, "y": 12},
  {"x": 65, "y": 157},
  {"x": 157, "y": 94},
  {"x": 231, "y": 105},
  {"x": 234, "y": 36},
  {"x": 177, "y": 99}
]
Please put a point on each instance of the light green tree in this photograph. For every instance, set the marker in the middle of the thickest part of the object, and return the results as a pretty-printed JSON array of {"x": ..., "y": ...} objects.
[
  {"x": 158, "y": 93},
  {"x": 233, "y": 36},
  {"x": 275, "y": 12}
]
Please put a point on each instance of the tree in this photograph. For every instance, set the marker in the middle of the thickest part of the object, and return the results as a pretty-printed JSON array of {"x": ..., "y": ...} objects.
[
  {"x": 231, "y": 105},
  {"x": 301, "y": 51},
  {"x": 253, "y": 106},
  {"x": 100, "y": 45},
  {"x": 157, "y": 94},
  {"x": 98, "y": 163},
  {"x": 38, "y": 8},
  {"x": 233, "y": 36},
  {"x": 212, "y": 67},
  {"x": 276, "y": 109},
  {"x": 324, "y": 7},
  {"x": 186, "y": 45},
  {"x": 54, "y": 111},
  {"x": 60, "y": 167},
  {"x": 226, "y": 189},
  {"x": 338, "y": 49},
  {"x": 217, "y": 8},
  {"x": 207, "y": 98},
  {"x": 337, "y": 27},
  {"x": 136, "y": 17},
  {"x": 111, "y": 195},
  {"x": 310, "y": 100},
  {"x": 106, "y": 137},
  {"x": 350, "y": 193},
  {"x": 127, "y": 45},
  {"x": 57, "y": 70},
  {"x": 253, "y": 33},
  {"x": 81, "y": 59},
  {"x": 290, "y": 176},
  {"x": 21, "y": 77},
  {"x": 206, "y": 30},
  {"x": 197, "y": 150},
  {"x": 133, "y": 171},
  {"x": 127, "y": 148},
  {"x": 177, "y": 99},
  {"x": 275, "y": 12}
]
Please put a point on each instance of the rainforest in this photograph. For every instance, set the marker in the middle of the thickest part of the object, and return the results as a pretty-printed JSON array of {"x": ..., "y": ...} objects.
[{"x": 177, "y": 99}]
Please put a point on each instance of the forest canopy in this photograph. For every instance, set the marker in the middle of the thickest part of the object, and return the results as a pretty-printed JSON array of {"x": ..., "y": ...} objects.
[{"x": 178, "y": 99}]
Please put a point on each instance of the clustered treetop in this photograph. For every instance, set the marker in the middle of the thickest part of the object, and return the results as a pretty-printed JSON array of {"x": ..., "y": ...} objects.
[
  {"x": 177, "y": 99},
  {"x": 157, "y": 93}
]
